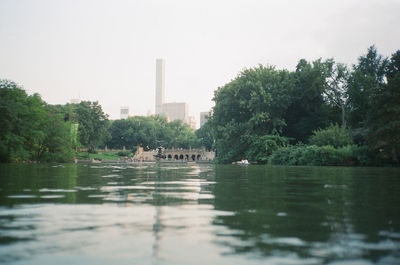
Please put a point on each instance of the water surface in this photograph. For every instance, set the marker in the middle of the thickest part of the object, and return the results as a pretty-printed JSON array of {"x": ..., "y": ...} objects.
[{"x": 198, "y": 214}]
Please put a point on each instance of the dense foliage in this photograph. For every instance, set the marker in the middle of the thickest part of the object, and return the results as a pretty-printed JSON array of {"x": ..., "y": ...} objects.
[
  {"x": 264, "y": 111},
  {"x": 150, "y": 132},
  {"x": 312, "y": 155},
  {"x": 93, "y": 124},
  {"x": 206, "y": 136},
  {"x": 332, "y": 135},
  {"x": 30, "y": 129},
  {"x": 253, "y": 104}
]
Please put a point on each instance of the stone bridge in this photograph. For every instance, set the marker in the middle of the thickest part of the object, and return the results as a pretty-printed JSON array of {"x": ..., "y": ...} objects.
[{"x": 176, "y": 154}]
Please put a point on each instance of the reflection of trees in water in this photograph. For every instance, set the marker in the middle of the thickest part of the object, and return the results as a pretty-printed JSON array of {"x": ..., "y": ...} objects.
[
  {"x": 294, "y": 209},
  {"x": 375, "y": 200},
  {"x": 27, "y": 184},
  {"x": 35, "y": 179}
]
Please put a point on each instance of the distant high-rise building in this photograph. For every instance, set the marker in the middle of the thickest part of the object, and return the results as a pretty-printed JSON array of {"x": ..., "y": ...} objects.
[
  {"x": 173, "y": 111},
  {"x": 204, "y": 116},
  {"x": 176, "y": 111},
  {"x": 75, "y": 101},
  {"x": 160, "y": 84},
  {"x": 192, "y": 122},
  {"x": 124, "y": 112}
]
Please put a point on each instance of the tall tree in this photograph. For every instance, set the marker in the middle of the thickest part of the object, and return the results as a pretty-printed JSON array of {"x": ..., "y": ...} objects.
[
  {"x": 29, "y": 130},
  {"x": 364, "y": 82},
  {"x": 206, "y": 136},
  {"x": 384, "y": 123},
  {"x": 252, "y": 104},
  {"x": 308, "y": 110},
  {"x": 93, "y": 124},
  {"x": 337, "y": 75}
]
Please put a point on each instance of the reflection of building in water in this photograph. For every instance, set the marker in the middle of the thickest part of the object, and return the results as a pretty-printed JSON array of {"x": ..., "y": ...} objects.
[
  {"x": 157, "y": 231},
  {"x": 158, "y": 200}
]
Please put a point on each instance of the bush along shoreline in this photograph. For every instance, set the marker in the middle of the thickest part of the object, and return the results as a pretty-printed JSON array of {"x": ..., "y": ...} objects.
[{"x": 312, "y": 155}]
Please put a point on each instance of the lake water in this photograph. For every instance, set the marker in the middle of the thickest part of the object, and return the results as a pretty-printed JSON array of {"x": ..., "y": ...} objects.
[{"x": 198, "y": 214}]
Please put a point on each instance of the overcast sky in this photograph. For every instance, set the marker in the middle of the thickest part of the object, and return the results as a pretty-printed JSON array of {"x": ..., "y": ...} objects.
[{"x": 106, "y": 50}]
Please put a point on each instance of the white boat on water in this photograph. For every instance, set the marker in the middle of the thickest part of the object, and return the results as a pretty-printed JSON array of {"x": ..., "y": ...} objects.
[{"x": 242, "y": 162}]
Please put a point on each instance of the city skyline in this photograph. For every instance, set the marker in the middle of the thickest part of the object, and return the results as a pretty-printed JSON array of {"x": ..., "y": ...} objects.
[{"x": 105, "y": 50}]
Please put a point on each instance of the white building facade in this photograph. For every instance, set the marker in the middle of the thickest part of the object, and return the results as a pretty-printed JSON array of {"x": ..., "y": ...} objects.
[
  {"x": 176, "y": 111},
  {"x": 124, "y": 112},
  {"x": 192, "y": 122}
]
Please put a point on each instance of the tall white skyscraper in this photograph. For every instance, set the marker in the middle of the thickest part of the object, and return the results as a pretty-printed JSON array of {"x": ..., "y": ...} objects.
[{"x": 160, "y": 84}]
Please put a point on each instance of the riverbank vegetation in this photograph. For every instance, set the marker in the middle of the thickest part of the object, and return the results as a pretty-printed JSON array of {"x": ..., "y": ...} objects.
[
  {"x": 32, "y": 130},
  {"x": 322, "y": 113}
]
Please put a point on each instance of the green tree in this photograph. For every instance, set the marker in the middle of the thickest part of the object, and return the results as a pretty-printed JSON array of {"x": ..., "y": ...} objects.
[
  {"x": 337, "y": 75},
  {"x": 180, "y": 135},
  {"x": 384, "y": 130},
  {"x": 149, "y": 132},
  {"x": 206, "y": 136},
  {"x": 20, "y": 122},
  {"x": 261, "y": 147},
  {"x": 29, "y": 129},
  {"x": 58, "y": 142},
  {"x": 254, "y": 103},
  {"x": 93, "y": 124},
  {"x": 363, "y": 85},
  {"x": 308, "y": 110},
  {"x": 333, "y": 135}
]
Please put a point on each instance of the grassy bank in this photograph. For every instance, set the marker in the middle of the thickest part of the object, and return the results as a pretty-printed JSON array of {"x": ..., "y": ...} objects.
[{"x": 109, "y": 155}]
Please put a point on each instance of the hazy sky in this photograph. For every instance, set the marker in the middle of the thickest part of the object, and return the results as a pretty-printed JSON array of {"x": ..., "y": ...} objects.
[{"x": 106, "y": 50}]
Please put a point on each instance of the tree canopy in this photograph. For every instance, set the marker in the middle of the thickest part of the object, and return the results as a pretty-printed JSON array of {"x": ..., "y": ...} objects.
[
  {"x": 149, "y": 132},
  {"x": 30, "y": 129},
  {"x": 262, "y": 103}
]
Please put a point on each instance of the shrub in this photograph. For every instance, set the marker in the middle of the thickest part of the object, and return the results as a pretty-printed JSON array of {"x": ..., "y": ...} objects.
[
  {"x": 313, "y": 155},
  {"x": 333, "y": 135},
  {"x": 123, "y": 153},
  {"x": 261, "y": 147},
  {"x": 92, "y": 151}
]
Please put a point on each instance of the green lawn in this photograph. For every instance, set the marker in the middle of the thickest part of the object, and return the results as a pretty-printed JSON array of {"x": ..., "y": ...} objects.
[{"x": 102, "y": 156}]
